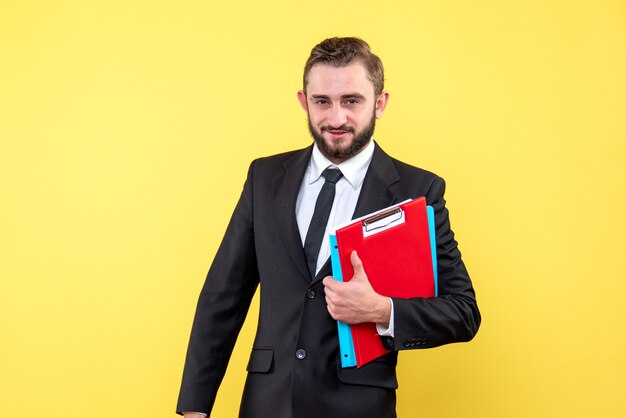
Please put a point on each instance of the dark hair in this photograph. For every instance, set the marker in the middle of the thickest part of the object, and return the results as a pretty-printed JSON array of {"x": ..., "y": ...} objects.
[{"x": 340, "y": 52}]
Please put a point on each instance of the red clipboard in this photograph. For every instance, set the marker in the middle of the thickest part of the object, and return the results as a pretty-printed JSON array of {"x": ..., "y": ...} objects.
[{"x": 394, "y": 246}]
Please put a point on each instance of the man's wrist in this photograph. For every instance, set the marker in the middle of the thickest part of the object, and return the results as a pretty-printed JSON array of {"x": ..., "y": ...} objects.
[
  {"x": 388, "y": 330},
  {"x": 382, "y": 312}
]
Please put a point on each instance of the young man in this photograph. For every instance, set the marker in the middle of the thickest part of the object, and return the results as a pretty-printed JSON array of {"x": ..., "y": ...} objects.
[{"x": 289, "y": 203}]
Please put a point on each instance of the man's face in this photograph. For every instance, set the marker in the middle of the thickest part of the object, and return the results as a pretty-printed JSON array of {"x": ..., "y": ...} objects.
[{"x": 342, "y": 109}]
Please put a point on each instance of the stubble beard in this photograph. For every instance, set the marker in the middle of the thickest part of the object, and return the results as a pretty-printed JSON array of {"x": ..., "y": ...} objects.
[{"x": 339, "y": 155}]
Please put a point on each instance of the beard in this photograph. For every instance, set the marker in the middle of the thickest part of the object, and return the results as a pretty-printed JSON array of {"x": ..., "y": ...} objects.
[{"x": 334, "y": 153}]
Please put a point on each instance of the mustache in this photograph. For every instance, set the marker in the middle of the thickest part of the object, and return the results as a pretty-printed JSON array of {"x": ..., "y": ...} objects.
[{"x": 345, "y": 128}]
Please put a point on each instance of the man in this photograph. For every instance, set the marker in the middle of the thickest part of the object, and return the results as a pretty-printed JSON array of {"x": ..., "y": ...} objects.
[{"x": 288, "y": 204}]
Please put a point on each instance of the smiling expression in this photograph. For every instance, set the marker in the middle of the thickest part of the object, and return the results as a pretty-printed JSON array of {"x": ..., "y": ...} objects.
[{"x": 342, "y": 109}]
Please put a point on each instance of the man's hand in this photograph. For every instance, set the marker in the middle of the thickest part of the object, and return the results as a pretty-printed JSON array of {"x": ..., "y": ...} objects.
[{"x": 356, "y": 301}]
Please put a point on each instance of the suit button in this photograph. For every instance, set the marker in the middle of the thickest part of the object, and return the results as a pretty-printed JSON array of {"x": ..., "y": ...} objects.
[
  {"x": 310, "y": 294},
  {"x": 300, "y": 354}
]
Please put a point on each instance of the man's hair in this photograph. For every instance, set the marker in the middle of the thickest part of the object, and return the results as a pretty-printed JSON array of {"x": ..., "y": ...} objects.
[{"x": 341, "y": 52}]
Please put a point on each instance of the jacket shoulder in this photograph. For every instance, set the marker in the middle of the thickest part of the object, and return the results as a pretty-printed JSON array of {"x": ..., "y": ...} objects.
[
  {"x": 406, "y": 180},
  {"x": 410, "y": 171},
  {"x": 279, "y": 159},
  {"x": 277, "y": 164}
]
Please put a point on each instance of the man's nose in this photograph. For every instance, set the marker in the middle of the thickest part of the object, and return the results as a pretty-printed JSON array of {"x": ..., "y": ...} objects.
[{"x": 338, "y": 117}]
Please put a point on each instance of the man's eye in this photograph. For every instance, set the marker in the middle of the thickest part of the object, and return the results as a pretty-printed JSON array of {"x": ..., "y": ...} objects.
[
  {"x": 321, "y": 101},
  {"x": 352, "y": 101}
]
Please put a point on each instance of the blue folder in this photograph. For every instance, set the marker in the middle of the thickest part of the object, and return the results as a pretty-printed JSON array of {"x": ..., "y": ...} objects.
[
  {"x": 430, "y": 212},
  {"x": 346, "y": 345}
]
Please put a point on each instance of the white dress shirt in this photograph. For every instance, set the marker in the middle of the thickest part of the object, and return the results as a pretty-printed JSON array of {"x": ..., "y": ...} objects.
[{"x": 347, "y": 191}]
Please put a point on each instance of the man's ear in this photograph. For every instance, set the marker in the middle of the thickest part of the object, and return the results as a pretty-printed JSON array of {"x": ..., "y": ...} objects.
[
  {"x": 302, "y": 100},
  {"x": 381, "y": 103}
]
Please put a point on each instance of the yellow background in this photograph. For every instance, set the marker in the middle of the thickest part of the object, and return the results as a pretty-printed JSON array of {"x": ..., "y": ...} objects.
[{"x": 126, "y": 128}]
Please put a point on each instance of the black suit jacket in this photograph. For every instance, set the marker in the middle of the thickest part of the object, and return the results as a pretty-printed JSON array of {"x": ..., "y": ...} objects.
[{"x": 262, "y": 245}]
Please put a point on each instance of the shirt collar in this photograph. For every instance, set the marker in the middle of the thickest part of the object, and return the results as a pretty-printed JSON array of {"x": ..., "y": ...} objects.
[{"x": 353, "y": 169}]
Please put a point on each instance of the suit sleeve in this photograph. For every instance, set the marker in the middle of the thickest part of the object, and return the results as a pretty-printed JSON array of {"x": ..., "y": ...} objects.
[
  {"x": 453, "y": 316},
  {"x": 221, "y": 310}
]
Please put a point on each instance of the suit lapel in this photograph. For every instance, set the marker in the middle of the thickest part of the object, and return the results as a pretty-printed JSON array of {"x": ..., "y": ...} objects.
[
  {"x": 375, "y": 194},
  {"x": 286, "y": 188}
]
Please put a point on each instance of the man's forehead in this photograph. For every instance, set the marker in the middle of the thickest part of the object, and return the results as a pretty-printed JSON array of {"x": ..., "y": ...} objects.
[{"x": 328, "y": 79}]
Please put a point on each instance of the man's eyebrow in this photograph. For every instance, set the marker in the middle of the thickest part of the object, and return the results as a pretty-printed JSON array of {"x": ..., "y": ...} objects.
[
  {"x": 353, "y": 96},
  {"x": 343, "y": 97}
]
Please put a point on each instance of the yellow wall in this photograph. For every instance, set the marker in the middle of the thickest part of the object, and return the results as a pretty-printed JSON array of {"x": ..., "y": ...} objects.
[{"x": 119, "y": 120}]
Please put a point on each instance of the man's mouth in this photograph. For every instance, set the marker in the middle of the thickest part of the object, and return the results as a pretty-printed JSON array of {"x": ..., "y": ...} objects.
[{"x": 338, "y": 132}]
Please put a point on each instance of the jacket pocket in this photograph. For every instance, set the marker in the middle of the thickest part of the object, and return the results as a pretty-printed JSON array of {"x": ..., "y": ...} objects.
[
  {"x": 380, "y": 373},
  {"x": 261, "y": 360}
]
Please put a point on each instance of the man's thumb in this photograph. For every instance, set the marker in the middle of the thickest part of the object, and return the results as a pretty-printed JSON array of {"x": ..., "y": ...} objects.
[{"x": 357, "y": 265}]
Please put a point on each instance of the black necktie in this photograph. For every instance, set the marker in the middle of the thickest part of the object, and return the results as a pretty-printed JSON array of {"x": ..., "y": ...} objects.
[{"x": 315, "y": 234}]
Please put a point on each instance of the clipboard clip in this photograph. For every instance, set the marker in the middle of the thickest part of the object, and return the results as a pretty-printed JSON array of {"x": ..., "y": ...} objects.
[{"x": 382, "y": 221}]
